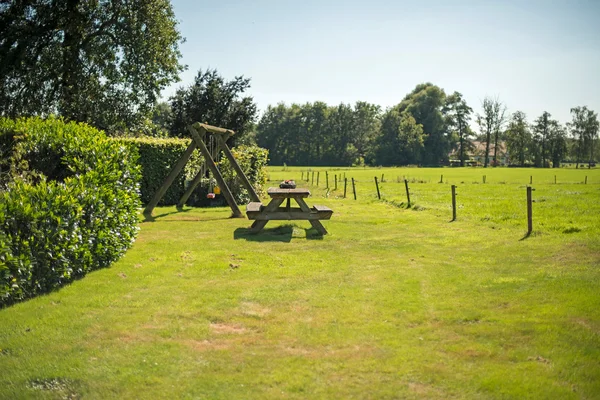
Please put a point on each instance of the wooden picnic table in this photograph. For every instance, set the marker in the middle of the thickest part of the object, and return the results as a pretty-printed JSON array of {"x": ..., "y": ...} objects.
[{"x": 262, "y": 214}]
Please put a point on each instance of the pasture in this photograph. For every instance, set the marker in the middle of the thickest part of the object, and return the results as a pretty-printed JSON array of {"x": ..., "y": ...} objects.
[{"x": 396, "y": 302}]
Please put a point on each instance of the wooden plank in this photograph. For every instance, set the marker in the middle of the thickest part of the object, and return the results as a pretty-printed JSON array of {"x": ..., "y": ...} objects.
[
  {"x": 278, "y": 193},
  {"x": 190, "y": 189},
  {"x": 254, "y": 206},
  {"x": 237, "y": 213},
  {"x": 213, "y": 129},
  {"x": 324, "y": 212},
  {"x": 272, "y": 206},
  {"x": 315, "y": 223},
  {"x": 286, "y": 216},
  {"x": 232, "y": 161}
]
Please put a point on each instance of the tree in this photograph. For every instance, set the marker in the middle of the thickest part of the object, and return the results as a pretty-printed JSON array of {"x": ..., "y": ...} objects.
[
  {"x": 425, "y": 104},
  {"x": 103, "y": 62},
  {"x": 541, "y": 130},
  {"x": 162, "y": 115},
  {"x": 458, "y": 114},
  {"x": 490, "y": 123},
  {"x": 365, "y": 130},
  {"x": 340, "y": 125},
  {"x": 271, "y": 132},
  {"x": 584, "y": 128},
  {"x": 401, "y": 140},
  {"x": 211, "y": 99},
  {"x": 518, "y": 137},
  {"x": 556, "y": 143}
]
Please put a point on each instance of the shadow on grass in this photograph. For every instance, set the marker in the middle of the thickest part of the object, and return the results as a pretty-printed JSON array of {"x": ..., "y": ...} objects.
[
  {"x": 313, "y": 234},
  {"x": 152, "y": 218},
  {"x": 282, "y": 233},
  {"x": 528, "y": 234}
]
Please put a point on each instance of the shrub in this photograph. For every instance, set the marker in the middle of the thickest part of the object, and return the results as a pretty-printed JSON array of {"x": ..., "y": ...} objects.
[
  {"x": 69, "y": 207},
  {"x": 252, "y": 160},
  {"x": 158, "y": 156}
]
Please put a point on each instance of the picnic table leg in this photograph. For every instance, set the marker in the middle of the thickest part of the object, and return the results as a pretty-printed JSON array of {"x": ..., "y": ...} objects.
[
  {"x": 258, "y": 225},
  {"x": 315, "y": 223}
]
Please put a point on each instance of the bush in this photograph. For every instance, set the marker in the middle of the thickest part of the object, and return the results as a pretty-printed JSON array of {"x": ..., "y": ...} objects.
[
  {"x": 252, "y": 160},
  {"x": 70, "y": 205},
  {"x": 158, "y": 156}
]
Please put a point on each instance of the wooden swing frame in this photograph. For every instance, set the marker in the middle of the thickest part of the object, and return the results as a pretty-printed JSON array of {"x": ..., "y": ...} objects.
[{"x": 199, "y": 133}]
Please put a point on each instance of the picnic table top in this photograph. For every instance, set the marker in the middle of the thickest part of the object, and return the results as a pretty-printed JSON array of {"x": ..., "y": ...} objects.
[{"x": 278, "y": 192}]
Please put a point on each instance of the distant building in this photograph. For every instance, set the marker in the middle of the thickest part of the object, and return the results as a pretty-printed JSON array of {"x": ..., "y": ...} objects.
[{"x": 475, "y": 154}]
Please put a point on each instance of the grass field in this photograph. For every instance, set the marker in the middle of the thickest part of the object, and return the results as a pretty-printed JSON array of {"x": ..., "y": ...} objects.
[{"x": 395, "y": 302}]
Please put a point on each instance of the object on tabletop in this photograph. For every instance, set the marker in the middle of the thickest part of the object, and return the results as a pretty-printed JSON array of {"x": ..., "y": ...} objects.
[{"x": 287, "y": 184}]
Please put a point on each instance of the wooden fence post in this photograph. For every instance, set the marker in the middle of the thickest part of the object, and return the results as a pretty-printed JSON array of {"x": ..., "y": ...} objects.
[
  {"x": 484, "y": 179},
  {"x": 407, "y": 192},
  {"x": 531, "y": 179},
  {"x": 353, "y": 189},
  {"x": 312, "y": 181},
  {"x": 377, "y": 186},
  {"x": 442, "y": 178},
  {"x": 345, "y": 185},
  {"x": 529, "y": 211},
  {"x": 585, "y": 180},
  {"x": 318, "y": 174},
  {"x": 382, "y": 178},
  {"x": 327, "y": 179},
  {"x": 302, "y": 176},
  {"x": 453, "y": 202}
]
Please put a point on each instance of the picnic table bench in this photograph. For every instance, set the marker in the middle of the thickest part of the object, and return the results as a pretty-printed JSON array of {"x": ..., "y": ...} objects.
[{"x": 261, "y": 214}]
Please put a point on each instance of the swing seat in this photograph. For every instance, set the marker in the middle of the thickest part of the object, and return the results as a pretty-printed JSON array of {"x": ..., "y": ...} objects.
[{"x": 210, "y": 196}]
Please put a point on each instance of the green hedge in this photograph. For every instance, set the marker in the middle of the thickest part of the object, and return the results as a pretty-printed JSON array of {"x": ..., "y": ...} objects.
[
  {"x": 253, "y": 161},
  {"x": 69, "y": 205},
  {"x": 158, "y": 156}
]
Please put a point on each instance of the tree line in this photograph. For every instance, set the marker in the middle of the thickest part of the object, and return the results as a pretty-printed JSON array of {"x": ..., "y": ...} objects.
[
  {"x": 425, "y": 128},
  {"x": 106, "y": 62}
]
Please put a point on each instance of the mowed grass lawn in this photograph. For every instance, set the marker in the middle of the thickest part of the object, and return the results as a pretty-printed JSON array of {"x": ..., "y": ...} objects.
[{"x": 395, "y": 302}]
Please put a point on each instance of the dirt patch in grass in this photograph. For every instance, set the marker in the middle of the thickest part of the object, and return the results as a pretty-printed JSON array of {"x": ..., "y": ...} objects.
[
  {"x": 424, "y": 389},
  {"x": 227, "y": 329},
  {"x": 587, "y": 324},
  {"x": 207, "y": 345},
  {"x": 254, "y": 310}
]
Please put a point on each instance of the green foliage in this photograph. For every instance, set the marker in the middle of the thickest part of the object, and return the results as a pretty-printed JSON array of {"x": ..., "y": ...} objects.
[
  {"x": 158, "y": 156},
  {"x": 425, "y": 104},
  {"x": 102, "y": 62},
  {"x": 253, "y": 161},
  {"x": 518, "y": 138},
  {"x": 458, "y": 115},
  {"x": 584, "y": 128},
  {"x": 69, "y": 205},
  {"x": 212, "y": 100},
  {"x": 318, "y": 134},
  {"x": 401, "y": 140}
]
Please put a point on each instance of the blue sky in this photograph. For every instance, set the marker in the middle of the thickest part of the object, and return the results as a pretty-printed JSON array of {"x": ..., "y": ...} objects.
[{"x": 534, "y": 55}]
